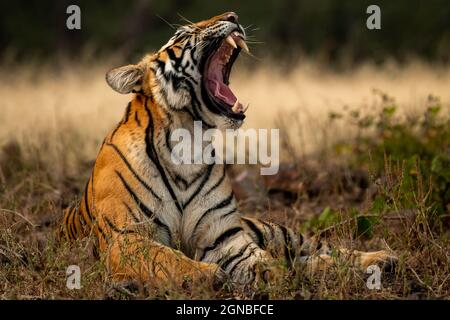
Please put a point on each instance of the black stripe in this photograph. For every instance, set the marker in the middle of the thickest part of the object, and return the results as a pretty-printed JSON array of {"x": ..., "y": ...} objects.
[
  {"x": 257, "y": 232},
  {"x": 102, "y": 233},
  {"x": 218, "y": 182},
  {"x": 220, "y": 205},
  {"x": 125, "y": 119},
  {"x": 167, "y": 137},
  {"x": 74, "y": 226},
  {"x": 127, "y": 113},
  {"x": 179, "y": 180},
  {"x": 115, "y": 130},
  {"x": 67, "y": 224},
  {"x": 92, "y": 185},
  {"x": 240, "y": 261},
  {"x": 115, "y": 228},
  {"x": 136, "y": 118},
  {"x": 300, "y": 236},
  {"x": 192, "y": 52},
  {"x": 65, "y": 219},
  {"x": 195, "y": 105},
  {"x": 136, "y": 199},
  {"x": 151, "y": 152},
  {"x": 82, "y": 220},
  {"x": 173, "y": 57},
  {"x": 228, "y": 213},
  {"x": 88, "y": 210},
  {"x": 319, "y": 245},
  {"x": 140, "y": 91},
  {"x": 86, "y": 204},
  {"x": 200, "y": 174},
  {"x": 201, "y": 185},
  {"x": 164, "y": 226},
  {"x": 132, "y": 214},
  {"x": 227, "y": 260},
  {"x": 100, "y": 230},
  {"x": 288, "y": 253},
  {"x": 124, "y": 159},
  {"x": 71, "y": 224},
  {"x": 271, "y": 231},
  {"x": 220, "y": 239}
]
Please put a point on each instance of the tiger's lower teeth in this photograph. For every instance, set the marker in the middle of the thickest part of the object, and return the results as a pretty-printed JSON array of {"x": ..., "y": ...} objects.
[
  {"x": 235, "y": 107},
  {"x": 238, "y": 107}
]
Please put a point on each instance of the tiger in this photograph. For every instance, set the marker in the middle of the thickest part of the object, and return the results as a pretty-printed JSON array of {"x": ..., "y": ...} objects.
[{"x": 158, "y": 222}]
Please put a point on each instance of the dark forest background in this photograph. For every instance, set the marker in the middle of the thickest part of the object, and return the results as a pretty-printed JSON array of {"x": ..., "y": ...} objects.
[{"x": 333, "y": 30}]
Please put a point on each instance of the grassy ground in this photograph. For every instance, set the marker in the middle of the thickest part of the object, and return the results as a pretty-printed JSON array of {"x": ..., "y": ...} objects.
[{"x": 369, "y": 171}]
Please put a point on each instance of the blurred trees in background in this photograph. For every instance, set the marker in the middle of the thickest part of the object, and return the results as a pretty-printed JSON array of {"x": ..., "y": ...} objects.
[{"x": 330, "y": 29}]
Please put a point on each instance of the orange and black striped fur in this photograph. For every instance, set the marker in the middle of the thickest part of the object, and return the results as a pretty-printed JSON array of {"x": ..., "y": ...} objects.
[{"x": 156, "y": 221}]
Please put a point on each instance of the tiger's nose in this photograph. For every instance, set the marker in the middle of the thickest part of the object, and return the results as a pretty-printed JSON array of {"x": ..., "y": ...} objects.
[{"x": 231, "y": 17}]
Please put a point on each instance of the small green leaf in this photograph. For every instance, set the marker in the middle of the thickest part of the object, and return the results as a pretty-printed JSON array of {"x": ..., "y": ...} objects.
[
  {"x": 364, "y": 226},
  {"x": 325, "y": 215}
]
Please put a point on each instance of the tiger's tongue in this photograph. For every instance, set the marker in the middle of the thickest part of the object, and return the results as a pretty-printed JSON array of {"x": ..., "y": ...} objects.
[
  {"x": 222, "y": 92},
  {"x": 215, "y": 78}
]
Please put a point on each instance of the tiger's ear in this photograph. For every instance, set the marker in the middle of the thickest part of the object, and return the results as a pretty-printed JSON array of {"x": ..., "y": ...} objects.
[{"x": 125, "y": 79}]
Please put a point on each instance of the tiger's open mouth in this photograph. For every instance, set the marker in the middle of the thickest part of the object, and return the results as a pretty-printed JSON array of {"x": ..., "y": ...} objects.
[{"x": 217, "y": 74}]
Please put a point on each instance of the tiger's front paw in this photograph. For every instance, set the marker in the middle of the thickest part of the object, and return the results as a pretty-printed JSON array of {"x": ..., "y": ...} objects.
[
  {"x": 382, "y": 258},
  {"x": 212, "y": 275}
]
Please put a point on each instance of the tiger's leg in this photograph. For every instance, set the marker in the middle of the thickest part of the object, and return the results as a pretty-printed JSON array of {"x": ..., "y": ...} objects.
[
  {"x": 220, "y": 239},
  {"x": 132, "y": 256},
  {"x": 314, "y": 253},
  {"x": 242, "y": 260},
  {"x": 276, "y": 239},
  {"x": 359, "y": 259}
]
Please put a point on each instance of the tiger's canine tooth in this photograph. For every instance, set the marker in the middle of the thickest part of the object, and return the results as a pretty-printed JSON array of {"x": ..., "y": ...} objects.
[
  {"x": 231, "y": 41},
  {"x": 245, "y": 109},
  {"x": 241, "y": 43}
]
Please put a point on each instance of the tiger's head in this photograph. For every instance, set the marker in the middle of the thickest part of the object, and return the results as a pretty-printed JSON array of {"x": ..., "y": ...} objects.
[{"x": 191, "y": 72}]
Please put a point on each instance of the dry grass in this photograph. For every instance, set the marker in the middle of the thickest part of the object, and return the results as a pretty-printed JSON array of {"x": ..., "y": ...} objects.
[
  {"x": 53, "y": 121},
  {"x": 50, "y": 99}
]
